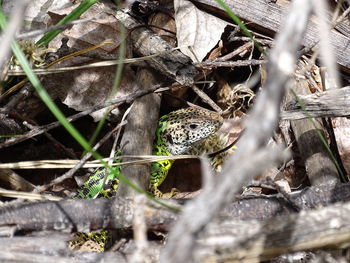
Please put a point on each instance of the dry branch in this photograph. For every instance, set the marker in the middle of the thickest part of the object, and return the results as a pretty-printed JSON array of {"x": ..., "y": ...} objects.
[
  {"x": 93, "y": 215},
  {"x": 139, "y": 133},
  {"x": 118, "y": 214},
  {"x": 171, "y": 63},
  {"x": 247, "y": 161},
  {"x": 318, "y": 163}
]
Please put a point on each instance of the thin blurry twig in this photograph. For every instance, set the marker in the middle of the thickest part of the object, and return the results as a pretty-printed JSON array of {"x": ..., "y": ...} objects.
[
  {"x": 326, "y": 50},
  {"x": 246, "y": 162},
  {"x": 7, "y": 36}
]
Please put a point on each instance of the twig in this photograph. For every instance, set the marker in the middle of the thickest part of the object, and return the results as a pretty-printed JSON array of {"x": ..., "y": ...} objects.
[
  {"x": 116, "y": 138},
  {"x": 34, "y": 33},
  {"x": 28, "y": 196},
  {"x": 40, "y": 130},
  {"x": 141, "y": 253},
  {"x": 25, "y": 92},
  {"x": 53, "y": 140},
  {"x": 231, "y": 64},
  {"x": 68, "y": 163},
  {"x": 71, "y": 172},
  {"x": 236, "y": 52},
  {"x": 206, "y": 99},
  {"x": 326, "y": 49},
  {"x": 9, "y": 33},
  {"x": 262, "y": 41},
  {"x": 342, "y": 17}
]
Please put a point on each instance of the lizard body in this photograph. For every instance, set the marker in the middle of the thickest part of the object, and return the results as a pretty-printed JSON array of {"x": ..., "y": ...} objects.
[{"x": 175, "y": 135}]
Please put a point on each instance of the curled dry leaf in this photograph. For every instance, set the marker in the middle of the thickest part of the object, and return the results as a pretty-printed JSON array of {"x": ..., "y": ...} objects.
[
  {"x": 217, "y": 51},
  {"x": 196, "y": 29}
]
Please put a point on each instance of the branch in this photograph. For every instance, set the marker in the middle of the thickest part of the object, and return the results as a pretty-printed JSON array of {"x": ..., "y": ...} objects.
[
  {"x": 169, "y": 61},
  {"x": 94, "y": 214},
  {"x": 248, "y": 235},
  {"x": 244, "y": 164},
  {"x": 256, "y": 241}
]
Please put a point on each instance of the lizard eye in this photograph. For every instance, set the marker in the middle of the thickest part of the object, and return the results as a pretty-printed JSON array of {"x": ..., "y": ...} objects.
[{"x": 193, "y": 126}]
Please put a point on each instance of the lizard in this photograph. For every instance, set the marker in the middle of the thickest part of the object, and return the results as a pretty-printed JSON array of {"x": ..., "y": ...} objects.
[{"x": 177, "y": 132}]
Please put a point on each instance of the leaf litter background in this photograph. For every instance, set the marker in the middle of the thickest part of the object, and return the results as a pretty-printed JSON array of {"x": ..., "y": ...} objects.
[
  {"x": 205, "y": 34},
  {"x": 208, "y": 38}
]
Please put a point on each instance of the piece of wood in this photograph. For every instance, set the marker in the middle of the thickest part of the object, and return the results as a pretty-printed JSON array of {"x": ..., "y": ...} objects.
[
  {"x": 139, "y": 133},
  {"x": 233, "y": 232},
  {"x": 318, "y": 163},
  {"x": 329, "y": 103},
  {"x": 255, "y": 241},
  {"x": 267, "y": 16},
  {"x": 117, "y": 213},
  {"x": 12, "y": 180},
  {"x": 51, "y": 247},
  {"x": 94, "y": 214}
]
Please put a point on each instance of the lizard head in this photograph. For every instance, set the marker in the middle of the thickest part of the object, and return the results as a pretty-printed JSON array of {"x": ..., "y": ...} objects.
[{"x": 180, "y": 129}]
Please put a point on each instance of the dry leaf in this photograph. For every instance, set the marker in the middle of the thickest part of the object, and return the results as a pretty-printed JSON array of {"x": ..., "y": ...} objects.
[
  {"x": 235, "y": 100},
  {"x": 36, "y": 15},
  {"x": 83, "y": 89},
  {"x": 197, "y": 29},
  {"x": 217, "y": 51}
]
